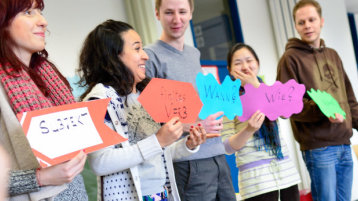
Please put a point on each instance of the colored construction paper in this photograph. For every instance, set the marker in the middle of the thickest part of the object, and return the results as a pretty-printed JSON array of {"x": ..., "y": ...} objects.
[
  {"x": 164, "y": 99},
  {"x": 216, "y": 97},
  {"x": 326, "y": 103},
  {"x": 213, "y": 70},
  {"x": 57, "y": 134},
  {"x": 77, "y": 91},
  {"x": 274, "y": 101}
]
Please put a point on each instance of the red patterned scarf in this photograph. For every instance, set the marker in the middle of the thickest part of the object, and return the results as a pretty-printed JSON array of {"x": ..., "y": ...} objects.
[{"x": 24, "y": 95}]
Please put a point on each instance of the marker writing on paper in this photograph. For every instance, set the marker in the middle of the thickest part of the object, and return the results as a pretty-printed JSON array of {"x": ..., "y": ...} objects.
[
  {"x": 61, "y": 124},
  {"x": 175, "y": 103},
  {"x": 278, "y": 95},
  {"x": 215, "y": 92},
  {"x": 172, "y": 96},
  {"x": 176, "y": 111},
  {"x": 219, "y": 97}
]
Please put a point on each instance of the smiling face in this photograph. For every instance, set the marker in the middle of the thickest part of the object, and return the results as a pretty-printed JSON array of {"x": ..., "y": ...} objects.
[
  {"x": 133, "y": 55},
  {"x": 27, "y": 31},
  {"x": 174, "y": 16},
  {"x": 242, "y": 60},
  {"x": 308, "y": 24}
]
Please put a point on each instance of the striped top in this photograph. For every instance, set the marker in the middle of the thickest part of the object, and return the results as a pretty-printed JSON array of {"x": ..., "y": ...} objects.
[{"x": 259, "y": 172}]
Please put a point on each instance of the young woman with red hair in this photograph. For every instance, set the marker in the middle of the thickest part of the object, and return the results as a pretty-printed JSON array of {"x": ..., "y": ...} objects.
[{"x": 28, "y": 81}]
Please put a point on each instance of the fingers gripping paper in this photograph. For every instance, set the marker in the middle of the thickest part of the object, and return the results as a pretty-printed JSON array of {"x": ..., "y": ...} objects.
[{"x": 326, "y": 103}]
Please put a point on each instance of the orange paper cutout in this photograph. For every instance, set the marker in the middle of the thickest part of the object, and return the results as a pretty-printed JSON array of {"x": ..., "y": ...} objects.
[
  {"x": 164, "y": 99},
  {"x": 96, "y": 111}
]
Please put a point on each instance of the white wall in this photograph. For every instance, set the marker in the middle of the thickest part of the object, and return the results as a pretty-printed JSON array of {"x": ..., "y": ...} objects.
[
  {"x": 258, "y": 33},
  {"x": 352, "y": 6},
  {"x": 69, "y": 23},
  {"x": 354, "y": 139}
]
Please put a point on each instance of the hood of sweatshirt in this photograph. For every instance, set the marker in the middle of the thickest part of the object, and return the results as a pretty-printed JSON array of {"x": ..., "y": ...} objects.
[
  {"x": 299, "y": 44},
  {"x": 322, "y": 63}
]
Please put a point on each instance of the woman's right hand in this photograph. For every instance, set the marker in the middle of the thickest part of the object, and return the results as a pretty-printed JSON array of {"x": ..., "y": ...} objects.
[
  {"x": 239, "y": 140},
  {"x": 255, "y": 121},
  {"x": 62, "y": 173},
  {"x": 197, "y": 136},
  {"x": 247, "y": 77},
  {"x": 170, "y": 132}
]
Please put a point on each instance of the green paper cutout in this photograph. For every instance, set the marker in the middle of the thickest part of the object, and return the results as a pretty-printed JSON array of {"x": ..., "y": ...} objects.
[
  {"x": 262, "y": 78},
  {"x": 326, "y": 103}
]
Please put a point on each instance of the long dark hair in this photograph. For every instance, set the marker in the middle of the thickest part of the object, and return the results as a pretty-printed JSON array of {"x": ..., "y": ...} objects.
[
  {"x": 267, "y": 137},
  {"x": 100, "y": 63},
  {"x": 8, "y": 10}
]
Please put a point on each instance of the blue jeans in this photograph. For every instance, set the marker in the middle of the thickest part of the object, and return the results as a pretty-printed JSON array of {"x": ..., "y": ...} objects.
[{"x": 331, "y": 172}]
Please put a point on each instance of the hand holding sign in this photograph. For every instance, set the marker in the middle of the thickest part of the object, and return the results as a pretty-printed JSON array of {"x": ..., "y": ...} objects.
[
  {"x": 216, "y": 97},
  {"x": 197, "y": 136},
  {"x": 170, "y": 132},
  {"x": 57, "y": 134},
  {"x": 164, "y": 99},
  {"x": 255, "y": 122},
  {"x": 213, "y": 124},
  {"x": 62, "y": 173},
  {"x": 328, "y": 105},
  {"x": 274, "y": 101},
  {"x": 337, "y": 119}
]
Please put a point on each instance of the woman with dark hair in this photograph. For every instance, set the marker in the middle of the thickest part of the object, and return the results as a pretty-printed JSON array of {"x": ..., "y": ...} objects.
[
  {"x": 266, "y": 171},
  {"x": 112, "y": 65},
  {"x": 28, "y": 81}
]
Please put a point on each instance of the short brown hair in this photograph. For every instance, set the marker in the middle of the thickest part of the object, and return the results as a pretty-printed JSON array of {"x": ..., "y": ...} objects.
[
  {"x": 158, "y": 3},
  {"x": 303, "y": 3}
]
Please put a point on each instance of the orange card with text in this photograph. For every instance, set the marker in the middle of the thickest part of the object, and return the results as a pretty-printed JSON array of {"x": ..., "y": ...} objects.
[{"x": 164, "y": 99}]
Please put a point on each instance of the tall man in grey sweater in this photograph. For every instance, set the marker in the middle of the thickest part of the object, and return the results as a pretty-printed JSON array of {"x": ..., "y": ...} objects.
[{"x": 204, "y": 176}]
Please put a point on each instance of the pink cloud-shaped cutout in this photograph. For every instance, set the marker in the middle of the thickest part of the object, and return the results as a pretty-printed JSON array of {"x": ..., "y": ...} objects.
[{"x": 274, "y": 101}]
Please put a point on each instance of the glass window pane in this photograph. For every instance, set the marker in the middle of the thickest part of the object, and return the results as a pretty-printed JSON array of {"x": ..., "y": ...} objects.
[{"x": 213, "y": 28}]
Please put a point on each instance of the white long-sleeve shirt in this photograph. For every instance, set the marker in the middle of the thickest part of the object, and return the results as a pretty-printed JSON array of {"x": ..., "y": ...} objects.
[{"x": 143, "y": 151}]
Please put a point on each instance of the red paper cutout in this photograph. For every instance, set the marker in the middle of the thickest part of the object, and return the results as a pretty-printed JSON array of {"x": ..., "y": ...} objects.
[{"x": 164, "y": 99}]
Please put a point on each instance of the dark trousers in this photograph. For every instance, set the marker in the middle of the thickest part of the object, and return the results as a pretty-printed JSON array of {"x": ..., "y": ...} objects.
[
  {"x": 206, "y": 179},
  {"x": 287, "y": 194}
]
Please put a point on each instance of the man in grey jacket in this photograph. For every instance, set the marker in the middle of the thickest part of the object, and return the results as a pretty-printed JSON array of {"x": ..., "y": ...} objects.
[{"x": 205, "y": 175}]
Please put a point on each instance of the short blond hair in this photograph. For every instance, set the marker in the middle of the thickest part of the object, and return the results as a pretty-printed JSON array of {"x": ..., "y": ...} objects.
[
  {"x": 303, "y": 3},
  {"x": 158, "y": 3}
]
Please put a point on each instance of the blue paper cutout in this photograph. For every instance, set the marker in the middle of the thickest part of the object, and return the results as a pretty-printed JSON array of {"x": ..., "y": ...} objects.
[
  {"x": 216, "y": 97},
  {"x": 76, "y": 91}
]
